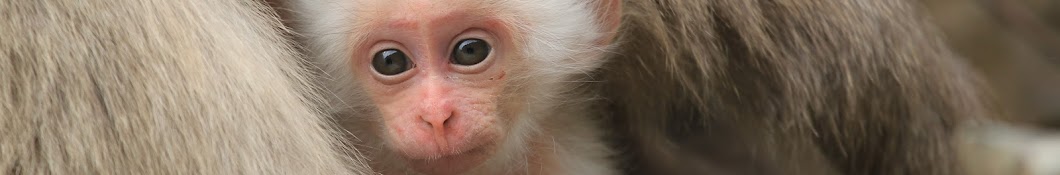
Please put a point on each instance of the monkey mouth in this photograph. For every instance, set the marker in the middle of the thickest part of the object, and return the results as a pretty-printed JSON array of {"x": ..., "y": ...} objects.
[{"x": 450, "y": 163}]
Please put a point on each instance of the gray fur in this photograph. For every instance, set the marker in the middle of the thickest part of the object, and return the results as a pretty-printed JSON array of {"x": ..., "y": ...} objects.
[{"x": 157, "y": 87}]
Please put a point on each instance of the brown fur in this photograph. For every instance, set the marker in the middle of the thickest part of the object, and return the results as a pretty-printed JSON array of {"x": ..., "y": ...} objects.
[
  {"x": 786, "y": 87},
  {"x": 157, "y": 87}
]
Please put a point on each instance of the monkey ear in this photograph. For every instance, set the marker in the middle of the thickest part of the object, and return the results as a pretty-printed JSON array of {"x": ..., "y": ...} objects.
[{"x": 609, "y": 13}]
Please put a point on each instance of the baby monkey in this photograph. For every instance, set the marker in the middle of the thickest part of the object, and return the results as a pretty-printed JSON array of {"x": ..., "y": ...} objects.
[{"x": 468, "y": 86}]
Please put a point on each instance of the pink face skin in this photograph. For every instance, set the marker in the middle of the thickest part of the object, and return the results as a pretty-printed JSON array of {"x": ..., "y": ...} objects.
[{"x": 442, "y": 117}]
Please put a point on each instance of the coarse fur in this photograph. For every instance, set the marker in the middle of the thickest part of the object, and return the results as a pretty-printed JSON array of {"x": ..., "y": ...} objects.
[
  {"x": 556, "y": 128},
  {"x": 786, "y": 87},
  {"x": 158, "y": 87}
]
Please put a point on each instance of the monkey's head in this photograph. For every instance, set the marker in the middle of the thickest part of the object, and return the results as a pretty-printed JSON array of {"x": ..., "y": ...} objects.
[{"x": 456, "y": 82}]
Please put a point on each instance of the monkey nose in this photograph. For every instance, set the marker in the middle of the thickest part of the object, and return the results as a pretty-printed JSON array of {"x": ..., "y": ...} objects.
[{"x": 438, "y": 122}]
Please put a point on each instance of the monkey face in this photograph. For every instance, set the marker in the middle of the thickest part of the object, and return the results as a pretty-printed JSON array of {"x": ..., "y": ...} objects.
[{"x": 436, "y": 73}]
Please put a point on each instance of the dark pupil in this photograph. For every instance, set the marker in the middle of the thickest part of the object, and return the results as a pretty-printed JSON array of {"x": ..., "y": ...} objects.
[
  {"x": 470, "y": 52},
  {"x": 390, "y": 62}
]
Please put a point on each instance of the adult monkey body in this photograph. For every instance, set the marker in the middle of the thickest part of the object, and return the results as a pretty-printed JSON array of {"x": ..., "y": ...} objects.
[
  {"x": 788, "y": 87},
  {"x": 748, "y": 86},
  {"x": 156, "y": 87}
]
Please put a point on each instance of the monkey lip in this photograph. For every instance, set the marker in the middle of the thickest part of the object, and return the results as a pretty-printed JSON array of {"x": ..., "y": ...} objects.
[{"x": 451, "y": 163}]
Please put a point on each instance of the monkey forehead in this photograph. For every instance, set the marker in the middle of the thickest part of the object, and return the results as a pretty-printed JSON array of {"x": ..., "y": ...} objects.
[
  {"x": 420, "y": 14},
  {"x": 415, "y": 20}
]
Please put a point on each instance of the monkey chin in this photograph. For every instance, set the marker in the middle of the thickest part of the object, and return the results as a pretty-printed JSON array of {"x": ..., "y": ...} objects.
[{"x": 451, "y": 163}]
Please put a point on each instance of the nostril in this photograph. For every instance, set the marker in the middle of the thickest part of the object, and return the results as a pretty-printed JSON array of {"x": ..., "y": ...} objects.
[
  {"x": 436, "y": 121},
  {"x": 447, "y": 119}
]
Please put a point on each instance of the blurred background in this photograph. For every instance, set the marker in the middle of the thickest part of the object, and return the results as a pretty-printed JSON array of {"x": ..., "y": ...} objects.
[{"x": 1015, "y": 44}]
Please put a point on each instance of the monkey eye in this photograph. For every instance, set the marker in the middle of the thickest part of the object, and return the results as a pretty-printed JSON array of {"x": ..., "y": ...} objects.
[
  {"x": 391, "y": 62},
  {"x": 470, "y": 52}
]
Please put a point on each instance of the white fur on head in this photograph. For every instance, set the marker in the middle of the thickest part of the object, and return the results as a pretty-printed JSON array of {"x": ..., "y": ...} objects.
[{"x": 330, "y": 28}]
